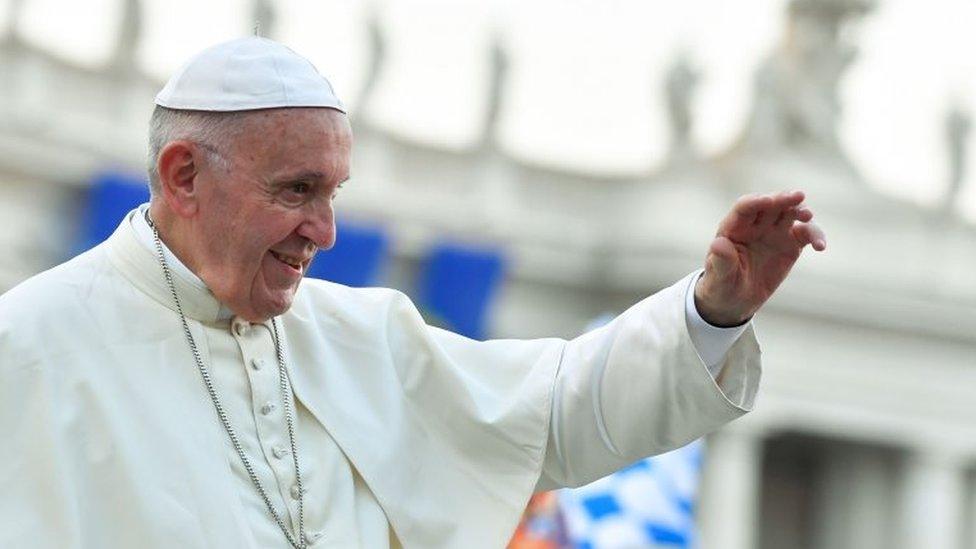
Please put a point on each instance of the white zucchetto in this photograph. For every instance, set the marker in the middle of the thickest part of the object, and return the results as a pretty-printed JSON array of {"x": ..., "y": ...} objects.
[{"x": 247, "y": 74}]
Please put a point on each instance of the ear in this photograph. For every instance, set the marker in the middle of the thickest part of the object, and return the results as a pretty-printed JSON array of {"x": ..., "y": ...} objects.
[{"x": 178, "y": 166}]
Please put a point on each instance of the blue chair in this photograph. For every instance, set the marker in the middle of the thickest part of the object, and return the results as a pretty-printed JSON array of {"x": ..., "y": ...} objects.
[
  {"x": 357, "y": 259},
  {"x": 458, "y": 283},
  {"x": 110, "y": 196}
]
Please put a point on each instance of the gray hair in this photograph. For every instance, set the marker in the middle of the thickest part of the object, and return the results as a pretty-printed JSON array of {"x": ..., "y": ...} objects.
[{"x": 211, "y": 130}]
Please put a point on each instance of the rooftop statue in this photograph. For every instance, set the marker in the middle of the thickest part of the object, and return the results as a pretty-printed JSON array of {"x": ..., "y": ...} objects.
[
  {"x": 958, "y": 123},
  {"x": 796, "y": 103},
  {"x": 682, "y": 79}
]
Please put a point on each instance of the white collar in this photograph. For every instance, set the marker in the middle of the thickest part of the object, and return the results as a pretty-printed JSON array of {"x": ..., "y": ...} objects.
[{"x": 144, "y": 234}]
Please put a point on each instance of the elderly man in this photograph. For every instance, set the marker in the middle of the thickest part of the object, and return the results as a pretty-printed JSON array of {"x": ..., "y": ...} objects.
[{"x": 180, "y": 385}]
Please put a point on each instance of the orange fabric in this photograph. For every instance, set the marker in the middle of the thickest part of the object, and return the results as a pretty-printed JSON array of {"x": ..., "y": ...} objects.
[{"x": 541, "y": 526}]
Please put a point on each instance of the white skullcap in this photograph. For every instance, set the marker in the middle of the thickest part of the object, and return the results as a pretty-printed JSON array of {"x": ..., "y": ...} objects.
[{"x": 247, "y": 74}]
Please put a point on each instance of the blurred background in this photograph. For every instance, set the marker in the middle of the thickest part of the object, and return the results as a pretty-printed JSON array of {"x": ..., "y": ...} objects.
[{"x": 523, "y": 167}]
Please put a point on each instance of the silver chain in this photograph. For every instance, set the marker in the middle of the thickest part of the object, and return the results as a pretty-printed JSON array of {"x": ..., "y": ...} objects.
[{"x": 301, "y": 542}]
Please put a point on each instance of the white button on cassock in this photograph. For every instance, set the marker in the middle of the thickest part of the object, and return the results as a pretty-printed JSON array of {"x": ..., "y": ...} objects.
[
  {"x": 241, "y": 328},
  {"x": 257, "y": 363},
  {"x": 280, "y": 452},
  {"x": 268, "y": 408},
  {"x": 294, "y": 491},
  {"x": 312, "y": 537}
]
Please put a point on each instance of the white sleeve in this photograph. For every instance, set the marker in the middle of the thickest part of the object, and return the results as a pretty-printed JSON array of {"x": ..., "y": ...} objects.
[
  {"x": 710, "y": 341},
  {"x": 638, "y": 387}
]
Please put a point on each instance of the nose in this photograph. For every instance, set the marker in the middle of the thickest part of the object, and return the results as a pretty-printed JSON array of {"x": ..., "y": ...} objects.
[{"x": 319, "y": 227}]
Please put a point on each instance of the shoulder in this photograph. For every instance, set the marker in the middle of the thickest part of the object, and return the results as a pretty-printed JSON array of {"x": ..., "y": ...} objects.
[
  {"x": 40, "y": 304},
  {"x": 318, "y": 293},
  {"x": 365, "y": 307},
  {"x": 53, "y": 287}
]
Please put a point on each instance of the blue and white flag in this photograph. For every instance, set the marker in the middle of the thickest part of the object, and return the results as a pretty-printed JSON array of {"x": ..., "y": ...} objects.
[{"x": 649, "y": 505}]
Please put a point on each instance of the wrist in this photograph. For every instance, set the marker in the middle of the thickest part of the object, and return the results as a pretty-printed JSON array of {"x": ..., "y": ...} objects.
[{"x": 718, "y": 312}]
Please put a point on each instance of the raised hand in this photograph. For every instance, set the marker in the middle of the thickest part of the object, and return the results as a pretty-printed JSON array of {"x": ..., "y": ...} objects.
[{"x": 754, "y": 249}]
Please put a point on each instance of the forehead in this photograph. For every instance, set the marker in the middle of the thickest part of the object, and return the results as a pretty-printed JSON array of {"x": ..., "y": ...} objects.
[{"x": 297, "y": 138}]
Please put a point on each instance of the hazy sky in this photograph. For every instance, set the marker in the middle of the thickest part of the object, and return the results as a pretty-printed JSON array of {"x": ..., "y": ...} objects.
[
  {"x": 586, "y": 76},
  {"x": 917, "y": 58}
]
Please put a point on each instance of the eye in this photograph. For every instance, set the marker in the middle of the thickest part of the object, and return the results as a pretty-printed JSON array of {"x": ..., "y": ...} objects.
[
  {"x": 300, "y": 187},
  {"x": 295, "y": 193}
]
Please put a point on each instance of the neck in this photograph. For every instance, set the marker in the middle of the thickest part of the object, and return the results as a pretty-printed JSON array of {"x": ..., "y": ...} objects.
[
  {"x": 172, "y": 234},
  {"x": 175, "y": 233}
]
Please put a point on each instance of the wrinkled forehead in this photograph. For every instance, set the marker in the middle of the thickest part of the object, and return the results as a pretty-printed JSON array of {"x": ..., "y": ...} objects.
[
  {"x": 294, "y": 135},
  {"x": 327, "y": 122}
]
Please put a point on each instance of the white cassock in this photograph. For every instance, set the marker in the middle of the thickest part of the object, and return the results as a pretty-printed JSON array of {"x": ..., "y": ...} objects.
[{"x": 408, "y": 435}]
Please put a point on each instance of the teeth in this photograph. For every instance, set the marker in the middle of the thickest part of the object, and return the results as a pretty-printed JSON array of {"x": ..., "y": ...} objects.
[{"x": 289, "y": 260}]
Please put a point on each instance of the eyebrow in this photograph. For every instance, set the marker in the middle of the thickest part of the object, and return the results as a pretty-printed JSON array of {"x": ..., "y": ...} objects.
[{"x": 304, "y": 176}]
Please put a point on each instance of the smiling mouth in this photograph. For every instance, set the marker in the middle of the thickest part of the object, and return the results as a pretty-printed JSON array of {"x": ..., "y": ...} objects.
[{"x": 293, "y": 262}]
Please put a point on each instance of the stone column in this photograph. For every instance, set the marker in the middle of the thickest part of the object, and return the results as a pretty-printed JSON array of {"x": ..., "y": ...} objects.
[
  {"x": 931, "y": 509},
  {"x": 729, "y": 499},
  {"x": 854, "y": 503}
]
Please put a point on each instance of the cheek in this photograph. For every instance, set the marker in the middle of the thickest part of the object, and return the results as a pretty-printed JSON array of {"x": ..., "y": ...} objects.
[
  {"x": 226, "y": 232},
  {"x": 280, "y": 229},
  {"x": 281, "y": 236},
  {"x": 238, "y": 255}
]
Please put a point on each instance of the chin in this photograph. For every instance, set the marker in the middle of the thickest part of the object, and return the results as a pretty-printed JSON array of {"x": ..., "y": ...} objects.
[{"x": 275, "y": 307}]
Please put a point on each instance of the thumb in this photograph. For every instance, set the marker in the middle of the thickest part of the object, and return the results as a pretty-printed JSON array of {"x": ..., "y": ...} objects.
[{"x": 722, "y": 257}]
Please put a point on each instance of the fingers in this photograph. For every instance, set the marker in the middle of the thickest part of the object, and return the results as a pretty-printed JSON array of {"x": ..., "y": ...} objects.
[
  {"x": 765, "y": 210},
  {"x": 796, "y": 213},
  {"x": 750, "y": 205},
  {"x": 789, "y": 199},
  {"x": 782, "y": 204},
  {"x": 722, "y": 257},
  {"x": 809, "y": 233}
]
